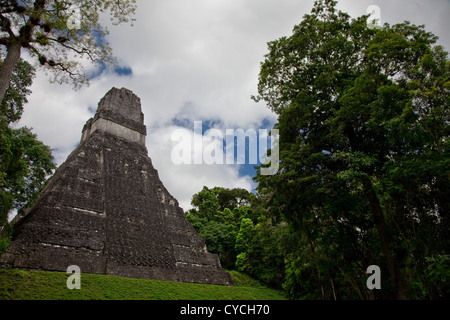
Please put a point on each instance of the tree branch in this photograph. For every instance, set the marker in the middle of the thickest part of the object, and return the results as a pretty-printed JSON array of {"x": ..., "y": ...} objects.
[
  {"x": 6, "y": 26},
  {"x": 62, "y": 41}
]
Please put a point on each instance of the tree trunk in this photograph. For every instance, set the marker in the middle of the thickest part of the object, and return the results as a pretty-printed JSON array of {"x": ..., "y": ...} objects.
[
  {"x": 7, "y": 68},
  {"x": 380, "y": 222},
  {"x": 332, "y": 285}
]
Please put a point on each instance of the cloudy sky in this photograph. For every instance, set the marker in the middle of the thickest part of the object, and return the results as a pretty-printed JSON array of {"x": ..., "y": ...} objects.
[{"x": 196, "y": 60}]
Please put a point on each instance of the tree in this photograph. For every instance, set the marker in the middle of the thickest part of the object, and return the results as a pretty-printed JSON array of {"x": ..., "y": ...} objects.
[
  {"x": 217, "y": 218},
  {"x": 261, "y": 250},
  {"x": 25, "y": 162},
  {"x": 364, "y": 126},
  {"x": 16, "y": 96},
  {"x": 59, "y": 34},
  {"x": 234, "y": 226}
]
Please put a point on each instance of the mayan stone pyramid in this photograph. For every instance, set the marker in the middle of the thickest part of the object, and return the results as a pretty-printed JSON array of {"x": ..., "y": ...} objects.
[{"x": 106, "y": 211}]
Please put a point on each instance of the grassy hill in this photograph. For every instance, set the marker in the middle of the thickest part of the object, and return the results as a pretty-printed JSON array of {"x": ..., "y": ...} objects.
[{"x": 28, "y": 285}]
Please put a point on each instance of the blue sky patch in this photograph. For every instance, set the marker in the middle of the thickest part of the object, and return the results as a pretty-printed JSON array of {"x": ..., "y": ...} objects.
[{"x": 102, "y": 68}]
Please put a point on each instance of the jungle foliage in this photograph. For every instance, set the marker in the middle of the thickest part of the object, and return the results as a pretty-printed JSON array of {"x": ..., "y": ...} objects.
[{"x": 364, "y": 179}]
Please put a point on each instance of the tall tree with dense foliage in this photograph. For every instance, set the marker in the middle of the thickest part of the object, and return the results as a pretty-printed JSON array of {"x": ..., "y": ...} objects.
[
  {"x": 364, "y": 176},
  {"x": 60, "y": 35}
]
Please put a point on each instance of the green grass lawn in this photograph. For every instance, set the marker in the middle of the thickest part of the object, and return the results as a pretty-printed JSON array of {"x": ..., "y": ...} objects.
[{"x": 31, "y": 285}]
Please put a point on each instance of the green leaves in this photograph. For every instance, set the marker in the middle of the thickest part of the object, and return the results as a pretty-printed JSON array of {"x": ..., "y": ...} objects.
[
  {"x": 12, "y": 106},
  {"x": 364, "y": 126},
  {"x": 217, "y": 218},
  {"x": 25, "y": 162},
  {"x": 25, "y": 165},
  {"x": 235, "y": 226}
]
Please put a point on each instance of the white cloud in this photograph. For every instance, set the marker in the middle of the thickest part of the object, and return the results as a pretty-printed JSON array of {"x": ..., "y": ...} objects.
[
  {"x": 196, "y": 60},
  {"x": 184, "y": 180}
]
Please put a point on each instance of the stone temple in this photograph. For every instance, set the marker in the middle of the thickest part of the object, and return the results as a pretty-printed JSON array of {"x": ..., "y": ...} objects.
[{"x": 106, "y": 211}]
